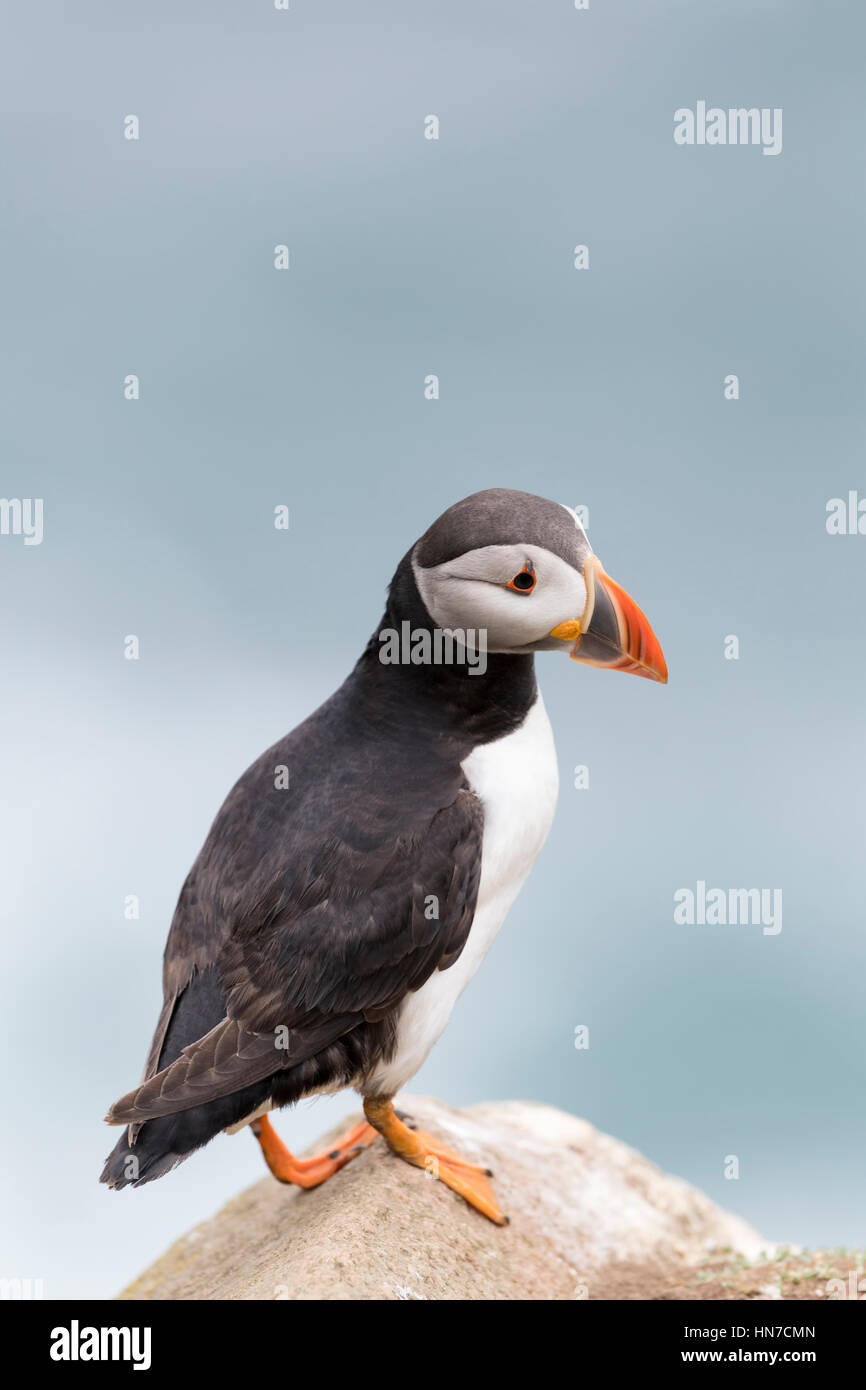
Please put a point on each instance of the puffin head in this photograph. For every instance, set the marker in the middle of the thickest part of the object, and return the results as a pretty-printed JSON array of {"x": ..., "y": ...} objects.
[{"x": 521, "y": 570}]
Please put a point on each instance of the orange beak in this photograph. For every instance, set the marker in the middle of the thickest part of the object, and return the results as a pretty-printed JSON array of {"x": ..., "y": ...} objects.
[{"x": 612, "y": 631}]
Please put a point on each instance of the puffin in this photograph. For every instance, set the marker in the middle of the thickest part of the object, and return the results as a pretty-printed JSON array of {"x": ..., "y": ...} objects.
[{"x": 357, "y": 873}]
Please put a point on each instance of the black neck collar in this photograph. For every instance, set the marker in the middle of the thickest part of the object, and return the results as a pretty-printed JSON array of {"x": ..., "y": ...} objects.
[{"x": 451, "y": 699}]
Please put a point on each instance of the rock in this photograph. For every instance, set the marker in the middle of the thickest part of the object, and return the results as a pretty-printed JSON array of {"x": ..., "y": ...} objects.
[{"x": 585, "y": 1210}]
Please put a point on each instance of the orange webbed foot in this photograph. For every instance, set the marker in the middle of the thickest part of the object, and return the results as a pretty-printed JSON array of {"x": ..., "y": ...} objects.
[
  {"x": 310, "y": 1172},
  {"x": 422, "y": 1150}
]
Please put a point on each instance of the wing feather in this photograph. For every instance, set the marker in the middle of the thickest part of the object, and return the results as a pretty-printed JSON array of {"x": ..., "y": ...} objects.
[{"x": 339, "y": 941}]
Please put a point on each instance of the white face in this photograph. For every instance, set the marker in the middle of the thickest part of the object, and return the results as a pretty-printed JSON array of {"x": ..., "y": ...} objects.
[{"x": 472, "y": 591}]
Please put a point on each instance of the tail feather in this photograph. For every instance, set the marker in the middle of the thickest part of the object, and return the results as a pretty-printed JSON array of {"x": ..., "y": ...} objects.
[
  {"x": 151, "y": 1147},
  {"x": 131, "y": 1167},
  {"x": 161, "y": 1144}
]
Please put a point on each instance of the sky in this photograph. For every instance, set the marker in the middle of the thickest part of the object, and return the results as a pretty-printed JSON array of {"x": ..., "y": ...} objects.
[{"x": 602, "y": 387}]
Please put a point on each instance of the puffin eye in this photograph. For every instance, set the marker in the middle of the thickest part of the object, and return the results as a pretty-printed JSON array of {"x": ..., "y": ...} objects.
[{"x": 524, "y": 582}]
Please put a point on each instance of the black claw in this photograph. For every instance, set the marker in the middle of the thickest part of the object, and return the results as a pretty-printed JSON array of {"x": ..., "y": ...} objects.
[
  {"x": 488, "y": 1172},
  {"x": 335, "y": 1153},
  {"x": 506, "y": 1220},
  {"x": 358, "y": 1149},
  {"x": 401, "y": 1115}
]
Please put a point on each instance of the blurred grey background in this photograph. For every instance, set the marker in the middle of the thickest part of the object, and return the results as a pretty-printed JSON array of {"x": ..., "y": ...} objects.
[{"x": 602, "y": 388}]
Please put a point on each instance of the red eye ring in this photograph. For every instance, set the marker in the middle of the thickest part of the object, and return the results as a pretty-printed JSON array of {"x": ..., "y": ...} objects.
[{"x": 524, "y": 582}]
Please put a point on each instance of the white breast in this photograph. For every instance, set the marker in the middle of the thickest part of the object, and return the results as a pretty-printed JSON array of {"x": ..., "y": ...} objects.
[{"x": 516, "y": 778}]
